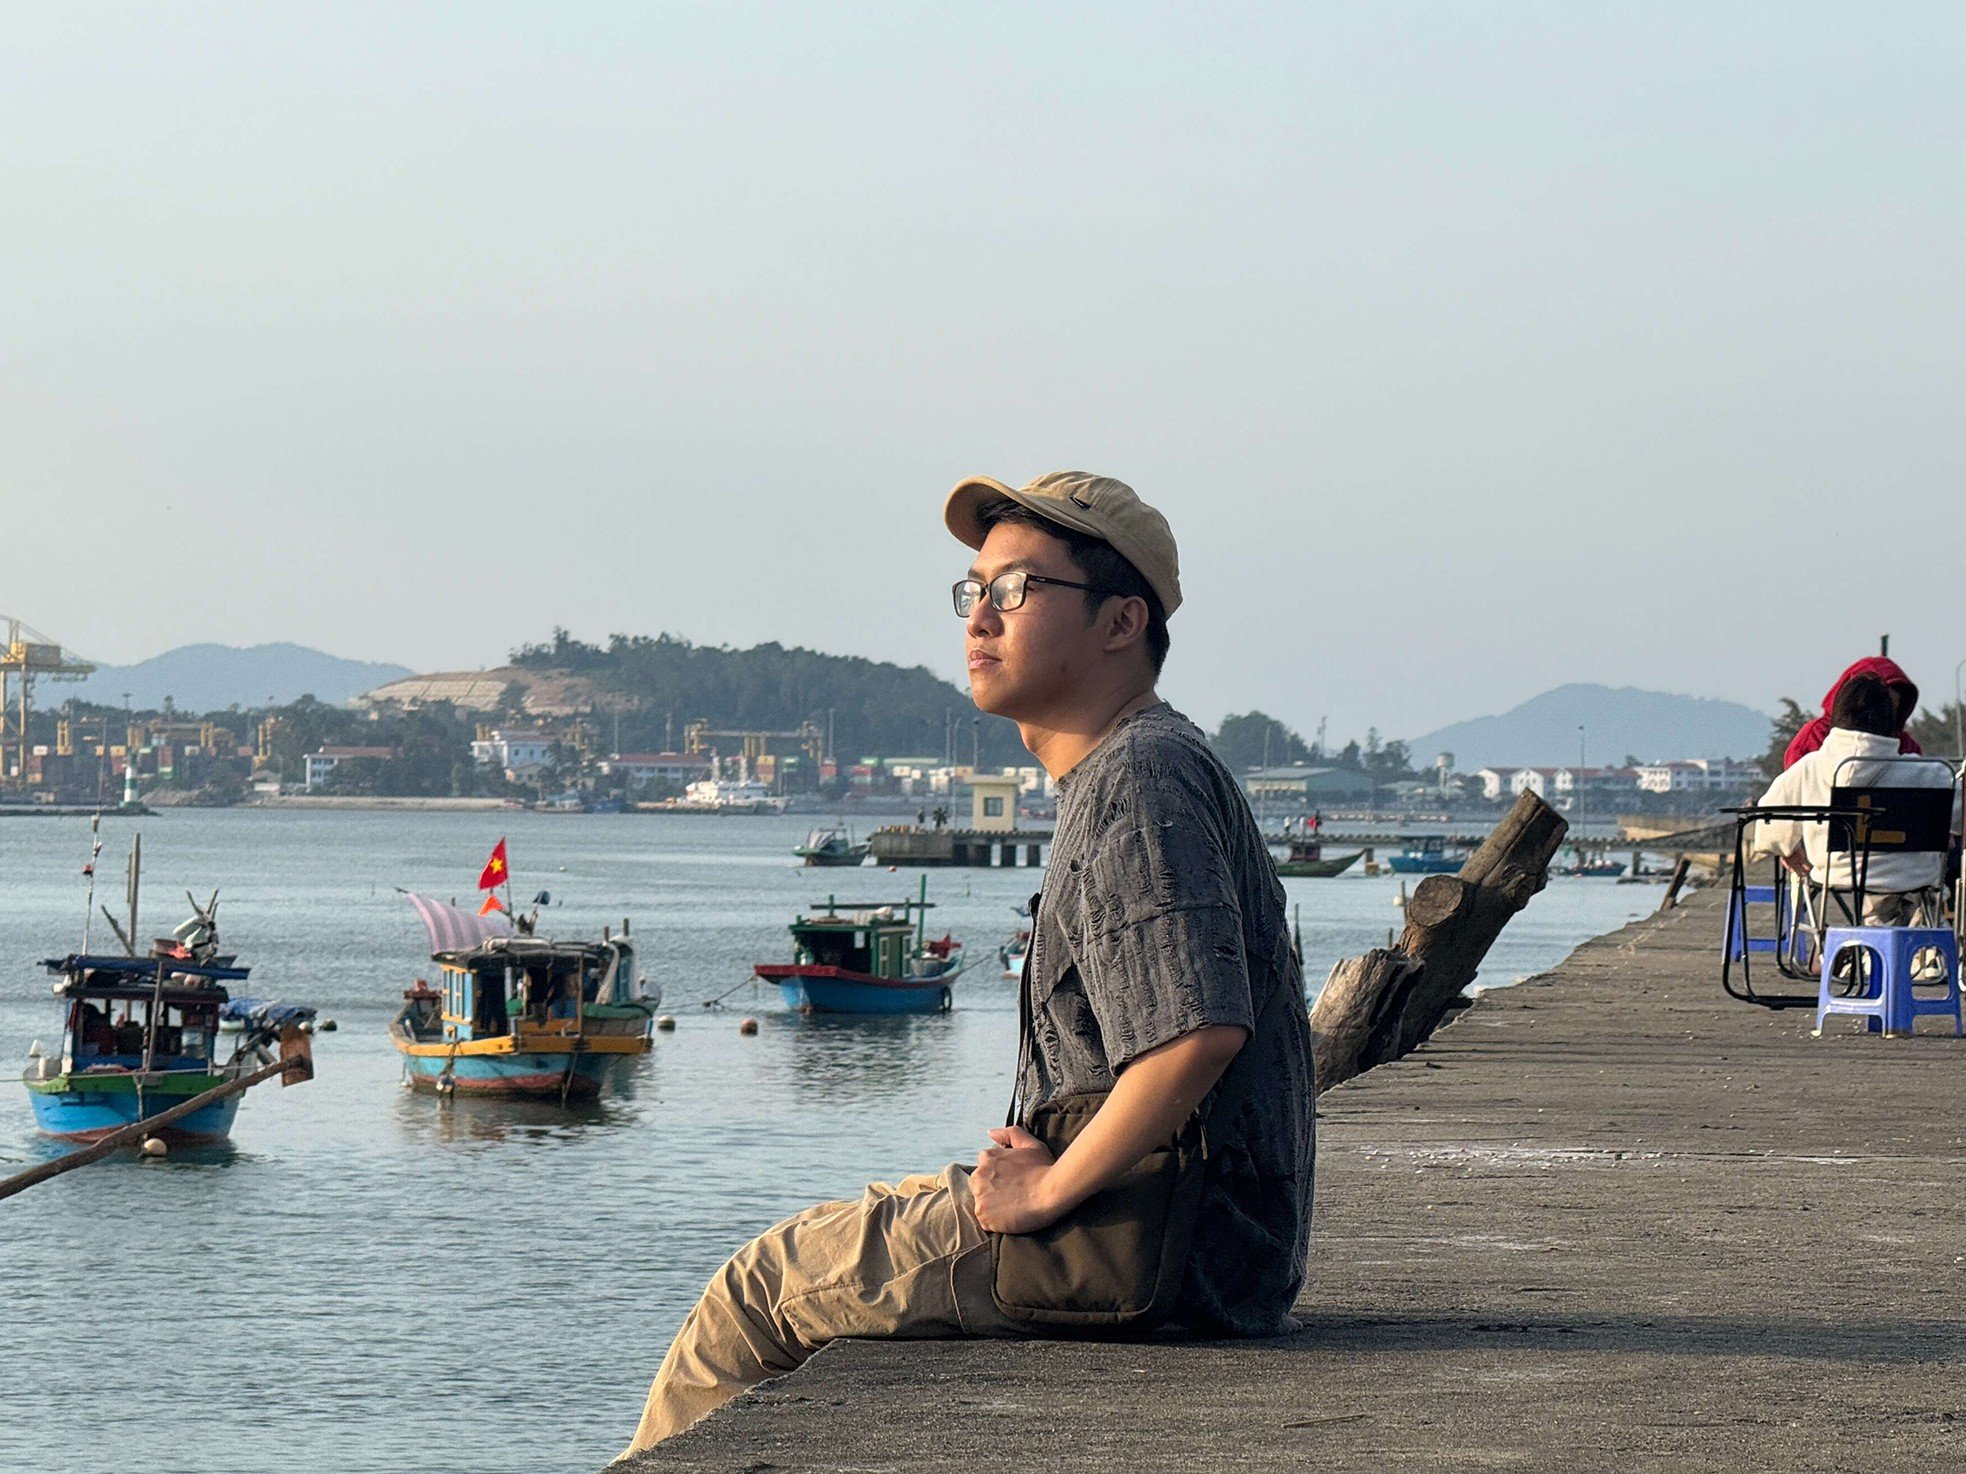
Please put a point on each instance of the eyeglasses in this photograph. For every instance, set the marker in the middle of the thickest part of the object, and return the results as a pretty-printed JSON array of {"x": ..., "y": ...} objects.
[{"x": 1006, "y": 591}]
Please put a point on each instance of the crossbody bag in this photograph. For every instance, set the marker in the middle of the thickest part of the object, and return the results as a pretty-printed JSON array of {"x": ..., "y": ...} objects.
[{"x": 1115, "y": 1263}]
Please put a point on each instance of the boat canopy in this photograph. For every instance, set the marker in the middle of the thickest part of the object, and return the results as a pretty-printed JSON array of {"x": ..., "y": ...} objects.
[
  {"x": 452, "y": 928},
  {"x": 142, "y": 969},
  {"x": 267, "y": 1013}
]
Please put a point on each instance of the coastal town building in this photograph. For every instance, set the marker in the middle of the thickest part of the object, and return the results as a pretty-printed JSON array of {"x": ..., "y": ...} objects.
[
  {"x": 1304, "y": 786},
  {"x": 1699, "y": 775},
  {"x": 322, "y": 762},
  {"x": 640, "y": 769},
  {"x": 519, "y": 755},
  {"x": 993, "y": 801}
]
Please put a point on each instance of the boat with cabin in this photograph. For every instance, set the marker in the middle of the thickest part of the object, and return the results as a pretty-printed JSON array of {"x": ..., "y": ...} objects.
[
  {"x": 1306, "y": 857},
  {"x": 867, "y": 957},
  {"x": 727, "y": 796},
  {"x": 1431, "y": 856},
  {"x": 517, "y": 1016},
  {"x": 140, "y": 1033},
  {"x": 833, "y": 845}
]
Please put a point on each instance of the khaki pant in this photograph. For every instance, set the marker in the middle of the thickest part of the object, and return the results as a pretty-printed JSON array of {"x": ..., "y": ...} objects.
[{"x": 901, "y": 1260}]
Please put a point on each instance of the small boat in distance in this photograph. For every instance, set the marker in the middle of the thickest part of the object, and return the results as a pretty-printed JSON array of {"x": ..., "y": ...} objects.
[
  {"x": 1431, "y": 857},
  {"x": 722, "y": 796},
  {"x": 1307, "y": 858},
  {"x": 832, "y": 845},
  {"x": 1013, "y": 951},
  {"x": 867, "y": 957},
  {"x": 518, "y": 1016}
]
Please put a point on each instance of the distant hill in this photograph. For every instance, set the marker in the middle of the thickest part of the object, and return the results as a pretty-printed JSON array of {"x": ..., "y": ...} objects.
[
  {"x": 1651, "y": 725},
  {"x": 657, "y": 684},
  {"x": 202, "y": 678}
]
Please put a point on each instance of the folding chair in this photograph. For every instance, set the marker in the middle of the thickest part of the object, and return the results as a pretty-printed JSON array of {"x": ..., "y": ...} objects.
[
  {"x": 1794, "y": 910},
  {"x": 1892, "y": 819}
]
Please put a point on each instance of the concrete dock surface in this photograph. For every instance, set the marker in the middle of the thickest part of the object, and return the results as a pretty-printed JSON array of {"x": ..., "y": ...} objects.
[{"x": 1608, "y": 1219}]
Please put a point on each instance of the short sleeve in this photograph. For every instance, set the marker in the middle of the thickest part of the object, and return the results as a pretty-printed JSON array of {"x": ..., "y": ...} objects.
[{"x": 1162, "y": 951}]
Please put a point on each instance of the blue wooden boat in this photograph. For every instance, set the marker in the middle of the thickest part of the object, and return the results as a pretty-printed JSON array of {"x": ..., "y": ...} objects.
[
  {"x": 867, "y": 957},
  {"x": 520, "y": 1017},
  {"x": 1432, "y": 857},
  {"x": 140, "y": 1035}
]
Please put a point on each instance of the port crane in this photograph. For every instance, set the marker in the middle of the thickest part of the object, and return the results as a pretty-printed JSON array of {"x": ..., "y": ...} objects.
[{"x": 26, "y": 655}]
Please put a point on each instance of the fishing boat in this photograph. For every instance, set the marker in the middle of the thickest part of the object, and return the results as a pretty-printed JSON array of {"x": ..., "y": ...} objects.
[
  {"x": 1432, "y": 856},
  {"x": 867, "y": 957},
  {"x": 1589, "y": 862},
  {"x": 518, "y": 1016},
  {"x": 1306, "y": 857},
  {"x": 1012, "y": 952},
  {"x": 140, "y": 1034},
  {"x": 834, "y": 845}
]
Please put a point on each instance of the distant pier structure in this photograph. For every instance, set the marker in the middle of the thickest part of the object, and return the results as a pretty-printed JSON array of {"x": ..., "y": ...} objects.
[
  {"x": 976, "y": 848},
  {"x": 992, "y": 838}
]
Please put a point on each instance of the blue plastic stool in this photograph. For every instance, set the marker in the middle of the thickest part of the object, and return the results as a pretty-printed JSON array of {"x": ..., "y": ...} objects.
[
  {"x": 1888, "y": 1004},
  {"x": 1739, "y": 940}
]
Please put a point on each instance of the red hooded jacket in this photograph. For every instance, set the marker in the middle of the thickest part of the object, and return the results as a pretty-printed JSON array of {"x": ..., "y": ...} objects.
[{"x": 1886, "y": 670}]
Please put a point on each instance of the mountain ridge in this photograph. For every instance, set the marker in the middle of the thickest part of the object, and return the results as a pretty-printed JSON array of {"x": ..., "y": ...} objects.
[
  {"x": 1654, "y": 726},
  {"x": 212, "y": 677}
]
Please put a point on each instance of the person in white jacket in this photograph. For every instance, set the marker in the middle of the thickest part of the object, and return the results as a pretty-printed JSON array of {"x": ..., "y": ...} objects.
[{"x": 1863, "y": 725}]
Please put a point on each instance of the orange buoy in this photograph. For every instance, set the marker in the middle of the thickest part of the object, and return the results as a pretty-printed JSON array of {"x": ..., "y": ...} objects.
[{"x": 749, "y": 1026}]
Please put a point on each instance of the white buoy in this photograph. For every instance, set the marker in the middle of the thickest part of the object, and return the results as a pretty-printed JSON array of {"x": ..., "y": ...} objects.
[
  {"x": 667, "y": 1023},
  {"x": 153, "y": 1146}
]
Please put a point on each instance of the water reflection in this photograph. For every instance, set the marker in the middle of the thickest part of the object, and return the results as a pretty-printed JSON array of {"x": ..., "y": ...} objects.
[
  {"x": 38, "y": 1147},
  {"x": 468, "y": 1120},
  {"x": 452, "y": 1119},
  {"x": 849, "y": 1060}
]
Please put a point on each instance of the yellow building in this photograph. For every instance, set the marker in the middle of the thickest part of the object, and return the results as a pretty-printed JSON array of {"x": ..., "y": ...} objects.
[{"x": 993, "y": 803}]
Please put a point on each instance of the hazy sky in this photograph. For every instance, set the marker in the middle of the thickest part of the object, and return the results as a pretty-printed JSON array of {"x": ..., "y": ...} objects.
[{"x": 1469, "y": 348}]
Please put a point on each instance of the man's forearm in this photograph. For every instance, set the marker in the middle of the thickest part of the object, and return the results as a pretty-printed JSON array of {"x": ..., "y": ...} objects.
[{"x": 1153, "y": 1095}]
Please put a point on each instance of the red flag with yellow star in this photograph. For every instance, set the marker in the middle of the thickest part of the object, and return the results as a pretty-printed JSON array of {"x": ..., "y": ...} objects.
[{"x": 495, "y": 873}]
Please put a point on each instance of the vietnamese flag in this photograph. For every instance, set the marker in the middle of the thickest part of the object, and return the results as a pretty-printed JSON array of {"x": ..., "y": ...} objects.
[
  {"x": 492, "y": 903},
  {"x": 495, "y": 873}
]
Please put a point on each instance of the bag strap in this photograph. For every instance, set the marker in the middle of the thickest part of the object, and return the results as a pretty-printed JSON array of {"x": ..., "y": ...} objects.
[{"x": 1025, "y": 1044}]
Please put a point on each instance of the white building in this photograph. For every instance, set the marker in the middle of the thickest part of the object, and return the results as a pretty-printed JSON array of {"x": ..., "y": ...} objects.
[
  {"x": 1497, "y": 781},
  {"x": 519, "y": 755},
  {"x": 325, "y": 761},
  {"x": 1595, "y": 781},
  {"x": 1539, "y": 781},
  {"x": 643, "y": 768},
  {"x": 1699, "y": 774}
]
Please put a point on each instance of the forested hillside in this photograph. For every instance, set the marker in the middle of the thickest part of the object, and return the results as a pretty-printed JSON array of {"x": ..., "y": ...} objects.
[{"x": 876, "y": 708}]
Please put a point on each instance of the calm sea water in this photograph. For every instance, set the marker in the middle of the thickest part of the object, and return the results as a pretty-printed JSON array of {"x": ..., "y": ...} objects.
[{"x": 370, "y": 1280}]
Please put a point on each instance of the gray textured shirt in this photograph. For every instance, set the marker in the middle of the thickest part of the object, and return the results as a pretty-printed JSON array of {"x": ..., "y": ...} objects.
[{"x": 1161, "y": 914}]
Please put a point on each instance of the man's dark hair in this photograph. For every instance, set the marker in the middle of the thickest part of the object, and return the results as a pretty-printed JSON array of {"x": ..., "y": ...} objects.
[
  {"x": 1864, "y": 704},
  {"x": 1103, "y": 566}
]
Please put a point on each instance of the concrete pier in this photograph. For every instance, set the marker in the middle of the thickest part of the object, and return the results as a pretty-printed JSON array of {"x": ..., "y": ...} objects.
[
  {"x": 1608, "y": 1219},
  {"x": 977, "y": 848}
]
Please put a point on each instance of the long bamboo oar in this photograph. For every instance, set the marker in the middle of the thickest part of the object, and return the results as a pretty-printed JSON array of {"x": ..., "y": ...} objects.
[{"x": 134, "y": 1135}]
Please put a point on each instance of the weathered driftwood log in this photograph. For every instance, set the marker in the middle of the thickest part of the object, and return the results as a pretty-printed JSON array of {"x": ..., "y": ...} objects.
[{"x": 1378, "y": 1007}]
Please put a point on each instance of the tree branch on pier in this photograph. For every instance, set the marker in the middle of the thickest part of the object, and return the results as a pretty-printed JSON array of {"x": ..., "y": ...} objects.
[{"x": 1380, "y": 1006}]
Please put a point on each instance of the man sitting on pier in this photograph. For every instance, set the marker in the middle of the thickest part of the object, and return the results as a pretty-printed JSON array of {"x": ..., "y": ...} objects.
[{"x": 1161, "y": 981}]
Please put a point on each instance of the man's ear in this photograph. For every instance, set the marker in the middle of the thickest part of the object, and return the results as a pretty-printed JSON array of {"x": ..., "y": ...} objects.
[{"x": 1126, "y": 622}]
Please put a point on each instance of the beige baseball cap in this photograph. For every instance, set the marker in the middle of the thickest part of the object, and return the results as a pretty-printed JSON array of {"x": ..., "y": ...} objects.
[{"x": 1097, "y": 506}]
